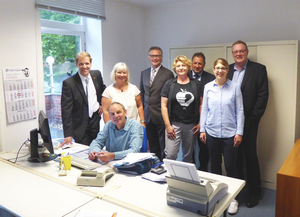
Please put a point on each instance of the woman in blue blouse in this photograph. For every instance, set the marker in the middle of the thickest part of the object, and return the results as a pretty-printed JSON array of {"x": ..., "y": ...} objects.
[
  {"x": 222, "y": 119},
  {"x": 222, "y": 122}
]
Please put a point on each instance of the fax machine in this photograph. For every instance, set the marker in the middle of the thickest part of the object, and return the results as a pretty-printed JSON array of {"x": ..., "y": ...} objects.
[{"x": 193, "y": 193}]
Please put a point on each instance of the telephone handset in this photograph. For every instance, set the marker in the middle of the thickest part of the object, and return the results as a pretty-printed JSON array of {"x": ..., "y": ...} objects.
[{"x": 95, "y": 178}]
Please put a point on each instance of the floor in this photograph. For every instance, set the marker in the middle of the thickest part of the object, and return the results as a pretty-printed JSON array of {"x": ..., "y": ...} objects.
[{"x": 265, "y": 208}]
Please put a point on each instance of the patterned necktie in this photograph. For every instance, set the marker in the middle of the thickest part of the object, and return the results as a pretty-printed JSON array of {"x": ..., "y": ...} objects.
[{"x": 152, "y": 76}]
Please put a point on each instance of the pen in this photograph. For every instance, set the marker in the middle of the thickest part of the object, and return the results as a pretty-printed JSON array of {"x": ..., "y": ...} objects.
[{"x": 157, "y": 165}]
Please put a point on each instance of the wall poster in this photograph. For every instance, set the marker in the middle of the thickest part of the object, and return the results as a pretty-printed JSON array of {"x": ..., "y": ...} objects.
[{"x": 19, "y": 95}]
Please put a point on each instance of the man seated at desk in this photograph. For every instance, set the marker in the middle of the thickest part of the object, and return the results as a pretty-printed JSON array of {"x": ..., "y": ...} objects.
[{"x": 120, "y": 136}]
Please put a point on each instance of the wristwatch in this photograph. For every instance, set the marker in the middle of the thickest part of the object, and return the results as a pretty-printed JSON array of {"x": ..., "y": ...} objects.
[{"x": 142, "y": 121}]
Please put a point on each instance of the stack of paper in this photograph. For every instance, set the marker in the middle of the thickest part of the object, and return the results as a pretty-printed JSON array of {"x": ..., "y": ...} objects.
[{"x": 155, "y": 177}]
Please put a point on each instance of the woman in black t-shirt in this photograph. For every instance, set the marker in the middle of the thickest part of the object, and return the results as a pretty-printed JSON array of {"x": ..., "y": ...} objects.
[{"x": 180, "y": 107}]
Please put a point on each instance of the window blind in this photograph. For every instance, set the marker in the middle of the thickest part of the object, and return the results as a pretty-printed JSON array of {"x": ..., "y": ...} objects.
[{"x": 87, "y": 8}]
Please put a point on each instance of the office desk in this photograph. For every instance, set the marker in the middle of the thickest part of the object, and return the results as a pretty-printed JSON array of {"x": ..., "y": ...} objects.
[
  {"x": 26, "y": 194},
  {"x": 99, "y": 206},
  {"x": 151, "y": 197},
  {"x": 127, "y": 191}
]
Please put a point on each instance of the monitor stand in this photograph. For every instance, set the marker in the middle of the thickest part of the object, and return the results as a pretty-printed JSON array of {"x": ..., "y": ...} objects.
[{"x": 35, "y": 157}]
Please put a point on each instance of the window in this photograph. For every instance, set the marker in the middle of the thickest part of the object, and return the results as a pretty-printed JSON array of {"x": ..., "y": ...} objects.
[{"x": 62, "y": 38}]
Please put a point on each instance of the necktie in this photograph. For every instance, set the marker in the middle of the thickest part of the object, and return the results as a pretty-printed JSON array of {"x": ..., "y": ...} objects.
[
  {"x": 152, "y": 76},
  {"x": 87, "y": 96},
  {"x": 87, "y": 87},
  {"x": 197, "y": 76}
]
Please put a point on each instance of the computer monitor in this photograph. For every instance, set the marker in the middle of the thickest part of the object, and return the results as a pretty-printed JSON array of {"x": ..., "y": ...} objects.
[{"x": 44, "y": 131}]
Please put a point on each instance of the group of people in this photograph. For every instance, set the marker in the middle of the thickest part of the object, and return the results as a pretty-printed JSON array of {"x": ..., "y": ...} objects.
[{"x": 221, "y": 111}]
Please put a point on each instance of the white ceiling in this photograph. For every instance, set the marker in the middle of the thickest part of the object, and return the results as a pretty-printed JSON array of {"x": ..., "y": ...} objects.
[{"x": 149, "y": 3}]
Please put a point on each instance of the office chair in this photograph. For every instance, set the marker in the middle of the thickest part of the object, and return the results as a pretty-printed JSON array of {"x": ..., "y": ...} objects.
[{"x": 144, "y": 144}]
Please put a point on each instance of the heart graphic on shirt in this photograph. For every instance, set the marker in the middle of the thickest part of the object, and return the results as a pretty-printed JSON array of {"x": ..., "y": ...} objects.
[{"x": 184, "y": 98}]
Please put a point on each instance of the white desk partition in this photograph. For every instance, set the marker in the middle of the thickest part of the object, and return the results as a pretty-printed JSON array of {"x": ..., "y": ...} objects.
[{"x": 26, "y": 194}]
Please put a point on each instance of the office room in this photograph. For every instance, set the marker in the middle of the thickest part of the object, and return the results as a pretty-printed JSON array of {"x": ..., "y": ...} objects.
[{"x": 131, "y": 28}]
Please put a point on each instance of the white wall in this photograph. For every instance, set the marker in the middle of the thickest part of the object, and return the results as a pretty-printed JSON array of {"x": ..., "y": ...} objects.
[
  {"x": 18, "y": 48},
  {"x": 200, "y": 22},
  {"x": 123, "y": 39}
]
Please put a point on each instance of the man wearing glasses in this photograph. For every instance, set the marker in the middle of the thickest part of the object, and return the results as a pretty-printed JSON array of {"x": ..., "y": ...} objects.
[
  {"x": 253, "y": 81},
  {"x": 151, "y": 83}
]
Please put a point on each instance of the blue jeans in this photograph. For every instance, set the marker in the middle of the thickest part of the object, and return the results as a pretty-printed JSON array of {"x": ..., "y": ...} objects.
[{"x": 218, "y": 147}]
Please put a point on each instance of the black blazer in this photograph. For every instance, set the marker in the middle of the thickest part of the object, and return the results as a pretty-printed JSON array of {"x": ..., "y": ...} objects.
[
  {"x": 255, "y": 90},
  {"x": 205, "y": 78},
  {"x": 74, "y": 105},
  {"x": 151, "y": 95}
]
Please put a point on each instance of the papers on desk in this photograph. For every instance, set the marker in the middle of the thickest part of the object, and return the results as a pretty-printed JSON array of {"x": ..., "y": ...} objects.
[
  {"x": 137, "y": 163},
  {"x": 155, "y": 177},
  {"x": 132, "y": 158},
  {"x": 72, "y": 150},
  {"x": 88, "y": 213}
]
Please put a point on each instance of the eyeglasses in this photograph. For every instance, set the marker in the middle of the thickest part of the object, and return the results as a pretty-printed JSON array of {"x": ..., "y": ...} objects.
[
  {"x": 154, "y": 56},
  {"x": 239, "y": 52},
  {"x": 222, "y": 69}
]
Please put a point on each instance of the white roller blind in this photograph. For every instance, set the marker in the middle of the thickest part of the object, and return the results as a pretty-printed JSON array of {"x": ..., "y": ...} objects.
[{"x": 87, "y": 8}]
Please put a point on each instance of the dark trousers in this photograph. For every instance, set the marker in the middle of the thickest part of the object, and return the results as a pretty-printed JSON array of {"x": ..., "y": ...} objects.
[
  {"x": 156, "y": 138},
  {"x": 92, "y": 130},
  {"x": 218, "y": 147},
  {"x": 203, "y": 155},
  {"x": 248, "y": 151}
]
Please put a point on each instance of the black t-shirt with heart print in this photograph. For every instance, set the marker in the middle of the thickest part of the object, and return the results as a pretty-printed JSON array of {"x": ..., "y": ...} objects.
[{"x": 183, "y": 103}]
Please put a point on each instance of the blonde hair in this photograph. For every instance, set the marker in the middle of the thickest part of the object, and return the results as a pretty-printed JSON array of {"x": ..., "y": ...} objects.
[
  {"x": 83, "y": 54},
  {"x": 183, "y": 59},
  {"x": 120, "y": 67}
]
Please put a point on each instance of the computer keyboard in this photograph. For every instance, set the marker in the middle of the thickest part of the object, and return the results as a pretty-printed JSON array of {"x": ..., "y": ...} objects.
[{"x": 83, "y": 163}]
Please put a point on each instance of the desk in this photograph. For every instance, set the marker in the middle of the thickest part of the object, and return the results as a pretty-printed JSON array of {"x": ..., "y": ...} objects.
[
  {"x": 151, "y": 197},
  {"x": 97, "y": 205},
  {"x": 127, "y": 192},
  {"x": 288, "y": 185},
  {"x": 27, "y": 194}
]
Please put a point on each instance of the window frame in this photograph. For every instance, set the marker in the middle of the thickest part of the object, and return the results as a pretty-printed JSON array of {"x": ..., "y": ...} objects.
[{"x": 60, "y": 28}]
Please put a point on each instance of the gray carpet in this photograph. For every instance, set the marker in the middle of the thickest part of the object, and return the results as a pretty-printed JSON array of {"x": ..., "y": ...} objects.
[{"x": 265, "y": 208}]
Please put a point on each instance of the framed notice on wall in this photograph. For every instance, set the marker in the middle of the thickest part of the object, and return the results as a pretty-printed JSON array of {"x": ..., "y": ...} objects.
[{"x": 19, "y": 95}]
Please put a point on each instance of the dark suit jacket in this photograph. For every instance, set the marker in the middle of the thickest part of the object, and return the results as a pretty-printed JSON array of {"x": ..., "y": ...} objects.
[
  {"x": 74, "y": 106},
  {"x": 205, "y": 78},
  {"x": 254, "y": 89},
  {"x": 151, "y": 96}
]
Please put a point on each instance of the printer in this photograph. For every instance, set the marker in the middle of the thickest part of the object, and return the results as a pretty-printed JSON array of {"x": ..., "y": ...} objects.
[{"x": 186, "y": 190}]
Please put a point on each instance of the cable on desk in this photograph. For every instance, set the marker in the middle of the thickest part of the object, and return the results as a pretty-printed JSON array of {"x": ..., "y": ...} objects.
[{"x": 24, "y": 143}]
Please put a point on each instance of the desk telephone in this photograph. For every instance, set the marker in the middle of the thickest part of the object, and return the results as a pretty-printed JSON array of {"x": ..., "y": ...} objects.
[{"x": 95, "y": 178}]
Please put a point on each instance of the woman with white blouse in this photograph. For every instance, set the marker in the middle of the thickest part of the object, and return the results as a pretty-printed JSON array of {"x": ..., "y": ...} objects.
[{"x": 123, "y": 92}]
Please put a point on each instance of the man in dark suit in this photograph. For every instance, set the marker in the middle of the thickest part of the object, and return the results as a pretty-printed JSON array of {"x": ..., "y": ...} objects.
[
  {"x": 253, "y": 80},
  {"x": 151, "y": 83},
  {"x": 81, "y": 102},
  {"x": 197, "y": 72}
]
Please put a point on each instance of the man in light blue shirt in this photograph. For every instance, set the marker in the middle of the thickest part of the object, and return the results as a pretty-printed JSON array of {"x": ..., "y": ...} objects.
[{"x": 120, "y": 136}]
